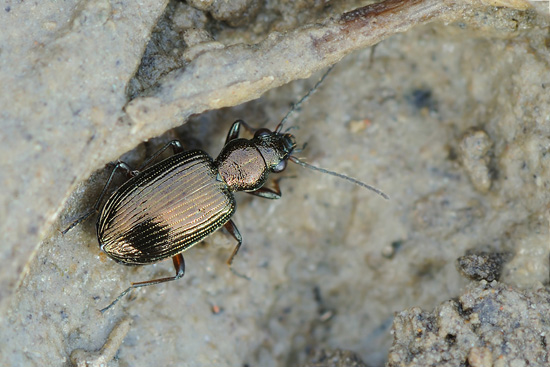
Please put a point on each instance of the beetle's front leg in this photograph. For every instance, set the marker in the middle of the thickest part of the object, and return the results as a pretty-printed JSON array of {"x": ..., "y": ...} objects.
[
  {"x": 273, "y": 192},
  {"x": 234, "y": 232},
  {"x": 236, "y": 128}
]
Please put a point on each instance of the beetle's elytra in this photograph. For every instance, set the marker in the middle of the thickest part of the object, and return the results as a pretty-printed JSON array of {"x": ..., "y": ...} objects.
[{"x": 165, "y": 209}]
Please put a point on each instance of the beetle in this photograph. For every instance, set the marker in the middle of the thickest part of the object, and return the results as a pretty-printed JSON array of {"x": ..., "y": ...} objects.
[{"x": 168, "y": 207}]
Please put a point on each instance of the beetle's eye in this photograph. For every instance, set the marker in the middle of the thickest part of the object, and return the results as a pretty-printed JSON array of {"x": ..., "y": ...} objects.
[
  {"x": 262, "y": 132},
  {"x": 280, "y": 167}
]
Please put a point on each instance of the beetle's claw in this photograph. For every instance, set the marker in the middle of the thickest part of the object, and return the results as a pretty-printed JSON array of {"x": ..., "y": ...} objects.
[
  {"x": 125, "y": 292},
  {"x": 239, "y": 274}
]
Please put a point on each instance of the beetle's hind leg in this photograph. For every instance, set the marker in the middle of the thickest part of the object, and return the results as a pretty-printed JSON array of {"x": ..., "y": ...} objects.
[
  {"x": 95, "y": 208},
  {"x": 179, "y": 265}
]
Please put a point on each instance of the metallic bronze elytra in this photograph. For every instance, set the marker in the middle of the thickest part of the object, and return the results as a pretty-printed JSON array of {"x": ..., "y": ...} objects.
[{"x": 165, "y": 209}]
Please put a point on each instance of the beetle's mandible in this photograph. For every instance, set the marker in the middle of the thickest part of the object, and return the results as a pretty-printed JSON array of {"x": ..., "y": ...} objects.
[{"x": 167, "y": 207}]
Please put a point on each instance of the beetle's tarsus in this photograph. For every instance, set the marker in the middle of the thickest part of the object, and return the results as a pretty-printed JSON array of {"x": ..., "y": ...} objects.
[
  {"x": 77, "y": 222},
  {"x": 125, "y": 292},
  {"x": 239, "y": 274}
]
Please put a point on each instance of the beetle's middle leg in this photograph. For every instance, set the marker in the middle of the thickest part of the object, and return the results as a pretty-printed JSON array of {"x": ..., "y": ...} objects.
[
  {"x": 179, "y": 265},
  {"x": 234, "y": 232}
]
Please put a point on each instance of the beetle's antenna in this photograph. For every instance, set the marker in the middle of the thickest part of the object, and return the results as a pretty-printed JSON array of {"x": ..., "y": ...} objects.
[
  {"x": 304, "y": 98},
  {"x": 299, "y": 150},
  {"x": 339, "y": 175},
  {"x": 294, "y": 127}
]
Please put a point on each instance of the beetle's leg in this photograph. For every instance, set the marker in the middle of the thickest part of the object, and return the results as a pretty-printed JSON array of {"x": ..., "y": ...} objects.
[
  {"x": 273, "y": 192},
  {"x": 179, "y": 265},
  {"x": 95, "y": 208},
  {"x": 233, "y": 231},
  {"x": 236, "y": 128},
  {"x": 176, "y": 145}
]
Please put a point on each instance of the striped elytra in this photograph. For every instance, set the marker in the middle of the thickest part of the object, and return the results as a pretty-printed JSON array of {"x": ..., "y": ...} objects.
[{"x": 164, "y": 210}]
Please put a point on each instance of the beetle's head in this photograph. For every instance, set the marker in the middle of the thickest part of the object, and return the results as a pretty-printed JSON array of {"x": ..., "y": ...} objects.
[{"x": 275, "y": 148}]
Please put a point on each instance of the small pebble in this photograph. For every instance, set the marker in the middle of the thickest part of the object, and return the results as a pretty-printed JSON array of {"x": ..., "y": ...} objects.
[
  {"x": 474, "y": 148},
  {"x": 481, "y": 266}
]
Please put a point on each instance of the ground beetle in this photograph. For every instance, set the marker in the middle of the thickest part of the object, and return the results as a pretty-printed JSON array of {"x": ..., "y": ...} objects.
[{"x": 165, "y": 209}]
